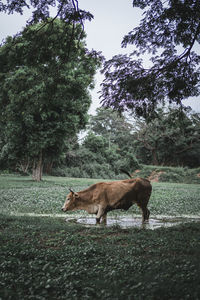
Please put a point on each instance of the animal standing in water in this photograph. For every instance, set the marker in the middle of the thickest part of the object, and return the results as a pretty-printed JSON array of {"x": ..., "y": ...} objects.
[{"x": 102, "y": 197}]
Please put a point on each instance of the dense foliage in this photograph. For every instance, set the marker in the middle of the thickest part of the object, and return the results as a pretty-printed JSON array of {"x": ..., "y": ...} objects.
[
  {"x": 44, "y": 95},
  {"x": 115, "y": 142},
  {"x": 172, "y": 138},
  {"x": 105, "y": 149},
  {"x": 168, "y": 33},
  {"x": 45, "y": 74}
]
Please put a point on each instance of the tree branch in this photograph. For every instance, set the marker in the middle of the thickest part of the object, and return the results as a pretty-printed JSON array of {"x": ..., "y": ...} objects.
[
  {"x": 53, "y": 19},
  {"x": 188, "y": 50},
  {"x": 146, "y": 145}
]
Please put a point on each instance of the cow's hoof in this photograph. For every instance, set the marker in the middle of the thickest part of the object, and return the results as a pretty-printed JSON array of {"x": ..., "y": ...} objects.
[
  {"x": 103, "y": 223},
  {"x": 97, "y": 221}
]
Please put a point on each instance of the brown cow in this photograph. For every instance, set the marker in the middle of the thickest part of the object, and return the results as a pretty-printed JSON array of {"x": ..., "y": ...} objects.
[{"x": 103, "y": 197}]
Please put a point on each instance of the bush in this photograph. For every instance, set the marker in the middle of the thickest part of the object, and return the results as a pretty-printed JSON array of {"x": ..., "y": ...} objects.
[
  {"x": 171, "y": 174},
  {"x": 129, "y": 163},
  {"x": 105, "y": 171},
  {"x": 88, "y": 170},
  {"x": 95, "y": 170},
  {"x": 170, "y": 177}
]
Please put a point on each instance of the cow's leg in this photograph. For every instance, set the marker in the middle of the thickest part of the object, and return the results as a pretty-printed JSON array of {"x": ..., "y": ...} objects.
[
  {"x": 100, "y": 213},
  {"x": 104, "y": 219},
  {"x": 145, "y": 214},
  {"x": 142, "y": 202}
]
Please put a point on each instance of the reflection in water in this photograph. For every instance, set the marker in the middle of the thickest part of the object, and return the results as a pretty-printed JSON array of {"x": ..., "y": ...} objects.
[{"x": 126, "y": 222}]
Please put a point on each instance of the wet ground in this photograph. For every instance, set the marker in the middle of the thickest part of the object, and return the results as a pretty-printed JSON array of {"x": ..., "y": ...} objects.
[
  {"x": 122, "y": 221},
  {"x": 127, "y": 222}
]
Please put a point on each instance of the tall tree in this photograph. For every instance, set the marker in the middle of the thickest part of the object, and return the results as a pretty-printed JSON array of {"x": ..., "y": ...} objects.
[
  {"x": 173, "y": 138},
  {"x": 113, "y": 127},
  {"x": 117, "y": 133},
  {"x": 168, "y": 33},
  {"x": 44, "y": 95}
]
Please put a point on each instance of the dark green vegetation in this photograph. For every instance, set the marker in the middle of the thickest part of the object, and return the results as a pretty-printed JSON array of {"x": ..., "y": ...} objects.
[
  {"x": 113, "y": 142},
  {"x": 48, "y": 258},
  {"x": 155, "y": 173},
  {"x": 46, "y": 74},
  {"x": 44, "y": 93},
  {"x": 44, "y": 258}
]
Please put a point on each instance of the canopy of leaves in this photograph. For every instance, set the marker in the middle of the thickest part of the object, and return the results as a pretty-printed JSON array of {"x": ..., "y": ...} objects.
[
  {"x": 168, "y": 33},
  {"x": 173, "y": 138},
  {"x": 116, "y": 142},
  {"x": 44, "y": 95},
  {"x": 107, "y": 147},
  {"x": 67, "y": 10},
  {"x": 113, "y": 127},
  {"x": 46, "y": 12}
]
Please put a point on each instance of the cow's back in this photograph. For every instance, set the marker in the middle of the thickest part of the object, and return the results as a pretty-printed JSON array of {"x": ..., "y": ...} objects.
[
  {"x": 118, "y": 194},
  {"x": 123, "y": 193},
  {"x": 143, "y": 192},
  {"x": 139, "y": 193}
]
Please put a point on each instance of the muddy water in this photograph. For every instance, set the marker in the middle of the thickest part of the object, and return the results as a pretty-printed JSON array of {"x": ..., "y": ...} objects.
[{"x": 127, "y": 222}]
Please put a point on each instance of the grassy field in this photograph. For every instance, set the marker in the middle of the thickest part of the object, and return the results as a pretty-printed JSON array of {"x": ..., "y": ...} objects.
[
  {"x": 22, "y": 195},
  {"x": 48, "y": 258}
]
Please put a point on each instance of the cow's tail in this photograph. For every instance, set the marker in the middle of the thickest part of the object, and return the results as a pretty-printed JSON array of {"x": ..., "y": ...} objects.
[{"x": 126, "y": 172}]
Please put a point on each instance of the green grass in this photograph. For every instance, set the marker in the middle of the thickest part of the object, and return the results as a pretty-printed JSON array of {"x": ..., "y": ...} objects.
[
  {"x": 48, "y": 258},
  {"x": 22, "y": 195},
  {"x": 175, "y": 199}
]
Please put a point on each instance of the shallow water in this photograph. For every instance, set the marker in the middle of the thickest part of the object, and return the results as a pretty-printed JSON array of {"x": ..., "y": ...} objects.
[{"x": 127, "y": 222}]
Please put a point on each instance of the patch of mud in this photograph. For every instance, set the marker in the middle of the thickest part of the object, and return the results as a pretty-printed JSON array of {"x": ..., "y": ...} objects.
[
  {"x": 155, "y": 176},
  {"x": 127, "y": 222}
]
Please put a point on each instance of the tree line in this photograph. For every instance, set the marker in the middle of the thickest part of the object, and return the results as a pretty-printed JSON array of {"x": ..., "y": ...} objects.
[
  {"x": 115, "y": 142},
  {"x": 46, "y": 72}
]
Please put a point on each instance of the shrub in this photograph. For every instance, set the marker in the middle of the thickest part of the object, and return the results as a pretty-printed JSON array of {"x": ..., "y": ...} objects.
[
  {"x": 129, "y": 163},
  {"x": 170, "y": 177}
]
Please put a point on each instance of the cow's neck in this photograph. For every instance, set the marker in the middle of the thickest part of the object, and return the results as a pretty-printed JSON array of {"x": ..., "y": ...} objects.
[
  {"x": 86, "y": 204},
  {"x": 83, "y": 197}
]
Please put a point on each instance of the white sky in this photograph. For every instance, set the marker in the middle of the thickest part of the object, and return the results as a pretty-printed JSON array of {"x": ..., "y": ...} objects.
[{"x": 112, "y": 20}]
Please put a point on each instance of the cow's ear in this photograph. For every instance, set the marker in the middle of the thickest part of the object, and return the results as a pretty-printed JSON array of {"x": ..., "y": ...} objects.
[{"x": 76, "y": 195}]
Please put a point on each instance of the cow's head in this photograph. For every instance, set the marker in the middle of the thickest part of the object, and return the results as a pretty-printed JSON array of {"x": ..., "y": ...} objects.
[{"x": 70, "y": 202}]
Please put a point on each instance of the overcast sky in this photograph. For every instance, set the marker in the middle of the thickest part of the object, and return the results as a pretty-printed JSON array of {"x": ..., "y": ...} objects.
[{"x": 112, "y": 20}]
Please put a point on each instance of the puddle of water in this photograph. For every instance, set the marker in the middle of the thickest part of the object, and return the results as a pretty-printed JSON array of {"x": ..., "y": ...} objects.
[{"x": 125, "y": 222}]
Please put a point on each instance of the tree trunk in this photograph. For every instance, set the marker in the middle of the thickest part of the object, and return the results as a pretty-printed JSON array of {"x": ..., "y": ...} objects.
[
  {"x": 24, "y": 165},
  {"x": 37, "y": 168},
  {"x": 154, "y": 157},
  {"x": 48, "y": 167}
]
